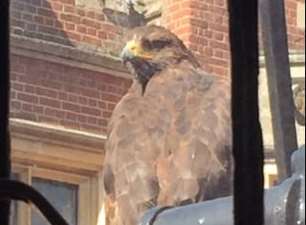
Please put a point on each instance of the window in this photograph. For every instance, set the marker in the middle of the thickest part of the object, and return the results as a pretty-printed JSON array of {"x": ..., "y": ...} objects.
[
  {"x": 64, "y": 197},
  {"x": 66, "y": 192},
  {"x": 13, "y": 213},
  {"x": 62, "y": 167}
]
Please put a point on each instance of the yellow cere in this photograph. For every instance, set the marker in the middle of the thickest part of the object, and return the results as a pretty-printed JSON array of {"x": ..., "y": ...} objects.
[{"x": 137, "y": 50}]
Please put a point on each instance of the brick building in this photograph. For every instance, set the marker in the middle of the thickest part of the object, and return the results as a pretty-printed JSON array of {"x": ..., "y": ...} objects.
[{"x": 67, "y": 78}]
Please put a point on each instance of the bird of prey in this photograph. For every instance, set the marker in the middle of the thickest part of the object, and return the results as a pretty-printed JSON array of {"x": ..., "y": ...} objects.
[{"x": 169, "y": 138}]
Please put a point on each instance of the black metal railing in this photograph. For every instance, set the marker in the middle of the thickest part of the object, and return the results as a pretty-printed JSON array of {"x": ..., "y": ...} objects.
[
  {"x": 5, "y": 156},
  {"x": 16, "y": 190}
]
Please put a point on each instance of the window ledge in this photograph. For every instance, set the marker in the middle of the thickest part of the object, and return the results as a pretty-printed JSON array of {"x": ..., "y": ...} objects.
[{"x": 56, "y": 148}]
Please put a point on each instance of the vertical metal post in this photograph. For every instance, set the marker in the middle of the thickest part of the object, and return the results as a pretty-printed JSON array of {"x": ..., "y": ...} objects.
[
  {"x": 275, "y": 42},
  {"x": 247, "y": 140},
  {"x": 5, "y": 167}
]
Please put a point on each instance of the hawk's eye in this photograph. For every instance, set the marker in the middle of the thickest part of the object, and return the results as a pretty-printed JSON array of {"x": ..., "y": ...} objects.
[
  {"x": 160, "y": 44},
  {"x": 146, "y": 44},
  {"x": 155, "y": 44}
]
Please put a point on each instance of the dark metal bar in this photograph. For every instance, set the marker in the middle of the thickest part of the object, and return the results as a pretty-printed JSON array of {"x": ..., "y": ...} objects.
[
  {"x": 275, "y": 42},
  {"x": 19, "y": 191},
  {"x": 247, "y": 135},
  {"x": 5, "y": 167},
  {"x": 285, "y": 205}
]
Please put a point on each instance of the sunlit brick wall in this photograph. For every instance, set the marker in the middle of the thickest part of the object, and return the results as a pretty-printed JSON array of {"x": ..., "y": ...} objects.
[
  {"x": 203, "y": 25},
  {"x": 62, "y": 95},
  {"x": 296, "y": 33}
]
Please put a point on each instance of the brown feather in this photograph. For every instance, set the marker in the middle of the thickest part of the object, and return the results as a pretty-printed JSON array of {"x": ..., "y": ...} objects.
[{"x": 170, "y": 146}]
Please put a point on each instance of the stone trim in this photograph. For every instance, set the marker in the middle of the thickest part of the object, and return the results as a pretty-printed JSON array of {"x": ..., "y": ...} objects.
[
  {"x": 58, "y": 135},
  {"x": 152, "y": 9},
  {"x": 90, "y": 4},
  {"x": 296, "y": 58},
  {"x": 56, "y": 148}
]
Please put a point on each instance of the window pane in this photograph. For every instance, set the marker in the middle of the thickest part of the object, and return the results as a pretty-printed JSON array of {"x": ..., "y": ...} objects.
[
  {"x": 13, "y": 213},
  {"x": 14, "y": 206},
  {"x": 62, "y": 196}
]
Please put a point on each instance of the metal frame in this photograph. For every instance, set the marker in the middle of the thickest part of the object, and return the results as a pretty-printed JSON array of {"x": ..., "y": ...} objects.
[
  {"x": 5, "y": 160},
  {"x": 284, "y": 205},
  {"x": 247, "y": 135},
  {"x": 19, "y": 191},
  {"x": 275, "y": 42}
]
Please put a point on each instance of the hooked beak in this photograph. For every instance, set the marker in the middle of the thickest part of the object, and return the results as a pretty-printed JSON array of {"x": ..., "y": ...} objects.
[
  {"x": 133, "y": 50},
  {"x": 126, "y": 55}
]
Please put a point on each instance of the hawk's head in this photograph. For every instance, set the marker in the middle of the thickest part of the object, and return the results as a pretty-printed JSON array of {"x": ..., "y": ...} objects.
[{"x": 150, "y": 49}]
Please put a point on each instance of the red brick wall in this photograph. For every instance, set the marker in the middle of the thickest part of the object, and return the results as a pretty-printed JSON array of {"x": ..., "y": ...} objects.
[
  {"x": 296, "y": 35},
  {"x": 82, "y": 99},
  {"x": 62, "y": 95},
  {"x": 61, "y": 21},
  {"x": 203, "y": 25}
]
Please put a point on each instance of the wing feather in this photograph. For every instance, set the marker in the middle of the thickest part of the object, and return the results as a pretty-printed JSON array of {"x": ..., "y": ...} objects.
[{"x": 170, "y": 146}]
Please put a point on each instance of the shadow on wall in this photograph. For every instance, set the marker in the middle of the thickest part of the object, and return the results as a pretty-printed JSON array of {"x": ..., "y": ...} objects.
[
  {"x": 59, "y": 93},
  {"x": 63, "y": 22},
  {"x": 38, "y": 19}
]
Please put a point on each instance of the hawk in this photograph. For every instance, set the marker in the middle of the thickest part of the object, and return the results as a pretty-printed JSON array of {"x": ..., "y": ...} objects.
[{"x": 170, "y": 136}]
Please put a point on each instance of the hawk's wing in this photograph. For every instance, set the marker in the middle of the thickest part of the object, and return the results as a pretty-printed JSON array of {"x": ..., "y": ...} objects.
[
  {"x": 197, "y": 155},
  {"x": 135, "y": 141},
  {"x": 171, "y": 145}
]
